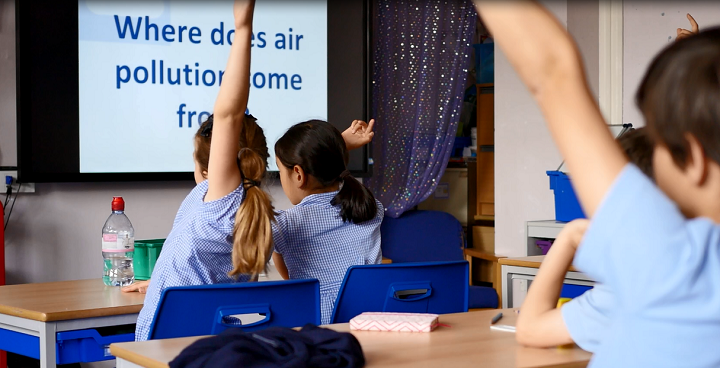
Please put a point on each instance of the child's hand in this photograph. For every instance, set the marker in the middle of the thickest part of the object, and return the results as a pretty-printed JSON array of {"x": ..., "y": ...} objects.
[
  {"x": 139, "y": 286},
  {"x": 540, "y": 323},
  {"x": 358, "y": 134},
  {"x": 573, "y": 233},
  {"x": 243, "y": 12},
  {"x": 684, "y": 33}
]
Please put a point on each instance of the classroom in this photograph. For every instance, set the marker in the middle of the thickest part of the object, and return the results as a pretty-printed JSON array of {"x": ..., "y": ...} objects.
[{"x": 525, "y": 183}]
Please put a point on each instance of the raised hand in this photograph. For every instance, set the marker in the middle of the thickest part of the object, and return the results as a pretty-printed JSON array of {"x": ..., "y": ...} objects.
[
  {"x": 684, "y": 33},
  {"x": 229, "y": 112},
  {"x": 243, "y": 12},
  {"x": 358, "y": 134},
  {"x": 573, "y": 233}
]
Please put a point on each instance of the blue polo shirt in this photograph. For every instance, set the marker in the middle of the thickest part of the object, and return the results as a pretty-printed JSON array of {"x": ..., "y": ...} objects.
[
  {"x": 662, "y": 272},
  {"x": 587, "y": 317}
]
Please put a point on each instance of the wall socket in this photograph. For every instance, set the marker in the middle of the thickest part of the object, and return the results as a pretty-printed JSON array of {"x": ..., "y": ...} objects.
[{"x": 25, "y": 188}]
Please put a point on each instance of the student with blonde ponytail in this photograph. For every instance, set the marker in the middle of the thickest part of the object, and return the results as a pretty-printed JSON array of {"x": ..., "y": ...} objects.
[
  {"x": 223, "y": 230},
  {"x": 336, "y": 221}
]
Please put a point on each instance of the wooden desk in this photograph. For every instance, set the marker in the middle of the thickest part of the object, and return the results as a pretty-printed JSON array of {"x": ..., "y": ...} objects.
[
  {"x": 531, "y": 262},
  {"x": 468, "y": 342},
  {"x": 42, "y": 310},
  {"x": 522, "y": 270}
]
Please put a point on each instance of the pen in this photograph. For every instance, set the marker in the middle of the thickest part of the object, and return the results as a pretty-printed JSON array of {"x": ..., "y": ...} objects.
[{"x": 496, "y": 318}]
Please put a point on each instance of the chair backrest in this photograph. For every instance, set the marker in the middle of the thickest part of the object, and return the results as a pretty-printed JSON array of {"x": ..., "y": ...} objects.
[
  {"x": 211, "y": 309},
  {"x": 434, "y": 287},
  {"x": 422, "y": 236}
]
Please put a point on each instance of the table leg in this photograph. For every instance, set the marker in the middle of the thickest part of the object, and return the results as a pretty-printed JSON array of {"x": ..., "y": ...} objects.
[
  {"x": 47, "y": 345},
  {"x": 497, "y": 282},
  {"x": 506, "y": 286}
]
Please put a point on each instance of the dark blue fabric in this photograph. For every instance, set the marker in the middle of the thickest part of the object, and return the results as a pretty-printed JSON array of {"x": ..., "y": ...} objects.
[{"x": 274, "y": 347}]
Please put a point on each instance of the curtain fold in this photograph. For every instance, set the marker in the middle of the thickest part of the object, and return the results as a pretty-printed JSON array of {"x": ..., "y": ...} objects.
[{"x": 421, "y": 60}]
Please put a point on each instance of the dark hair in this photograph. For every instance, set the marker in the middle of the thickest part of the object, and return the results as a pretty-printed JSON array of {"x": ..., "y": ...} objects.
[
  {"x": 680, "y": 94},
  {"x": 639, "y": 148},
  {"x": 319, "y": 149},
  {"x": 252, "y": 234}
]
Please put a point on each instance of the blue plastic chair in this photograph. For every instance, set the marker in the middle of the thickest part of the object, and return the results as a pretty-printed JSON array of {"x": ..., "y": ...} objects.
[
  {"x": 210, "y": 309},
  {"x": 422, "y": 236},
  {"x": 435, "y": 287},
  {"x": 430, "y": 236}
]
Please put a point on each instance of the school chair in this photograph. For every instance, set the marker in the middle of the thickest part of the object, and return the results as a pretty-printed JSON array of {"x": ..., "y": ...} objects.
[
  {"x": 573, "y": 291},
  {"x": 210, "y": 309},
  {"x": 430, "y": 236},
  {"x": 431, "y": 287}
]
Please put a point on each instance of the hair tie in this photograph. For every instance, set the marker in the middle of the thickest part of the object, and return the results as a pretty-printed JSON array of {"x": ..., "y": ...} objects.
[
  {"x": 207, "y": 130},
  {"x": 344, "y": 174},
  {"x": 247, "y": 184},
  {"x": 243, "y": 150}
]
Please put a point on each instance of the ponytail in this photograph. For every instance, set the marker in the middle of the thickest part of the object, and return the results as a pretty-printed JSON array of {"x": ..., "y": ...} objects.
[
  {"x": 320, "y": 150},
  {"x": 357, "y": 203},
  {"x": 252, "y": 235}
]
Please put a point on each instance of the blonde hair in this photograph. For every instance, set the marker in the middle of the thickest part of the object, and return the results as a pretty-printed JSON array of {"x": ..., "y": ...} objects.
[{"x": 252, "y": 234}]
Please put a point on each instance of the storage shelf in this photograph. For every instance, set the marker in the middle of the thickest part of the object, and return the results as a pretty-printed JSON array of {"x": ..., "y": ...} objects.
[
  {"x": 544, "y": 229},
  {"x": 541, "y": 230}
]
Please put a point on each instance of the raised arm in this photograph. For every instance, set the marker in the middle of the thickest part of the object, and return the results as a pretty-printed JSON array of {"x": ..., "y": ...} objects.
[
  {"x": 223, "y": 172},
  {"x": 548, "y": 62}
]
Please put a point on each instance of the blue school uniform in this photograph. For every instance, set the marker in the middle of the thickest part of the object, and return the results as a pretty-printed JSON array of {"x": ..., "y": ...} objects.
[
  {"x": 316, "y": 244},
  {"x": 664, "y": 273},
  {"x": 198, "y": 250},
  {"x": 588, "y": 316}
]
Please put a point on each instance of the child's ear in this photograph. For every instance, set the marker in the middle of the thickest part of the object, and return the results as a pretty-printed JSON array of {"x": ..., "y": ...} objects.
[
  {"x": 696, "y": 165},
  {"x": 298, "y": 176},
  {"x": 204, "y": 174}
]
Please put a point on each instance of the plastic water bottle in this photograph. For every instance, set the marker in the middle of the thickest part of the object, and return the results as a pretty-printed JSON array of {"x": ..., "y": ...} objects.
[{"x": 118, "y": 244}]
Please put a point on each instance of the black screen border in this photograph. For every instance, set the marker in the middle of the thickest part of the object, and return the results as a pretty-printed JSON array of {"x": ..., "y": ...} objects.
[{"x": 61, "y": 17}]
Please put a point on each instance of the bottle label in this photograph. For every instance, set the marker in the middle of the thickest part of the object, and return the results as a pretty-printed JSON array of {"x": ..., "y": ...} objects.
[
  {"x": 126, "y": 243},
  {"x": 115, "y": 243}
]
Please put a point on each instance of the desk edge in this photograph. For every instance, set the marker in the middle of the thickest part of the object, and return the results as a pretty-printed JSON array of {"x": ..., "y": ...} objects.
[
  {"x": 476, "y": 253},
  {"x": 69, "y": 315},
  {"x": 121, "y": 353},
  {"x": 529, "y": 264}
]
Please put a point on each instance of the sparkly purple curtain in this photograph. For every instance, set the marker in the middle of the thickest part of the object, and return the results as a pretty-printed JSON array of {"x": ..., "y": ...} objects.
[{"x": 421, "y": 57}]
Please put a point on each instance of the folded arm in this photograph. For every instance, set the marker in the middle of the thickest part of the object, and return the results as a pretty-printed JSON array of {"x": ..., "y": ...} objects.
[{"x": 540, "y": 323}]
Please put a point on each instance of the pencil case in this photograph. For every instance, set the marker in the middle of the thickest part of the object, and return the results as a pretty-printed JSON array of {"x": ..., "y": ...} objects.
[{"x": 398, "y": 322}]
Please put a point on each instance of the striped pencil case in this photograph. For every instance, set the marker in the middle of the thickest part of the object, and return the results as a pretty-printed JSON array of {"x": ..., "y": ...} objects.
[{"x": 399, "y": 322}]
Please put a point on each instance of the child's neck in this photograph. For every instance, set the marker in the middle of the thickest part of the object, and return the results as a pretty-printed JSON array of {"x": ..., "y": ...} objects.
[
  {"x": 707, "y": 197},
  {"x": 319, "y": 190},
  {"x": 711, "y": 212}
]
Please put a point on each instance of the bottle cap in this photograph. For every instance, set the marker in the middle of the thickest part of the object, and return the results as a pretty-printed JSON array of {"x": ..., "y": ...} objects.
[{"x": 118, "y": 204}]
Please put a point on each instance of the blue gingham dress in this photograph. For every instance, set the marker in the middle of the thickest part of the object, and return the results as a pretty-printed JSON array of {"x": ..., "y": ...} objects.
[
  {"x": 316, "y": 244},
  {"x": 197, "y": 251}
]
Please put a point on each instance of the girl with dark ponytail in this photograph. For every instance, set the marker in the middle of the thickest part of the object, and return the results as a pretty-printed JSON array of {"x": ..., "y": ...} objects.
[
  {"x": 336, "y": 221},
  {"x": 223, "y": 230}
]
